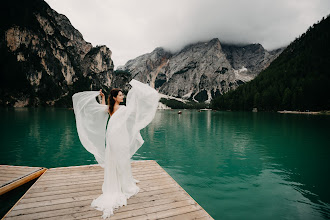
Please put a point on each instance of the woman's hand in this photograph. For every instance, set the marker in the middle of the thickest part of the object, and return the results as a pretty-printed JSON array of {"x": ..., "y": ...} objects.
[
  {"x": 103, "y": 97},
  {"x": 101, "y": 93}
]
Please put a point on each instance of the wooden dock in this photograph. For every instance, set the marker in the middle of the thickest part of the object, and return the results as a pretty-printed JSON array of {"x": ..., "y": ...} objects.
[
  {"x": 66, "y": 193},
  {"x": 14, "y": 176}
]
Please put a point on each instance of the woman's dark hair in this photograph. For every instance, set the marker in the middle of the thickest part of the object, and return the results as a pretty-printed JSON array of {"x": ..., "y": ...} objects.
[{"x": 111, "y": 101}]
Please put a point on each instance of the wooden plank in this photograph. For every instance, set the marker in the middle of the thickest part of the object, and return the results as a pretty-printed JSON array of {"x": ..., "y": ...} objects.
[
  {"x": 92, "y": 178},
  {"x": 133, "y": 200},
  {"x": 6, "y": 187},
  {"x": 87, "y": 171},
  {"x": 92, "y": 181},
  {"x": 98, "y": 170},
  {"x": 17, "y": 168},
  {"x": 68, "y": 189},
  {"x": 88, "y": 192},
  {"x": 154, "y": 208},
  {"x": 57, "y": 199},
  {"x": 170, "y": 198},
  {"x": 66, "y": 211},
  {"x": 199, "y": 214},
  {"x": 3, "y": 179},
  {"x": 67, "y": 192},
  {"x": 160, "y": 213},
  {"x": 138, "y": 213},
  {"x": 10, "y": 174},
  {"x": 205, "y": 217},
  {"x": 84, "y": 211},
  {"x": 137, "y": 163},
  {"x": 88, "y": 187},
  {"x": 144, "y": 185},
  {"x": 13, "y": 175},
  {"x": 98, "y": 177},
  {"x": 42, "y": 209}
]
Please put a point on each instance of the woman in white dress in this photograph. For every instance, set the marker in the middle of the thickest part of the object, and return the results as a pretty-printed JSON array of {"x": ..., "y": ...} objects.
[{"x": 115, "y": 142}]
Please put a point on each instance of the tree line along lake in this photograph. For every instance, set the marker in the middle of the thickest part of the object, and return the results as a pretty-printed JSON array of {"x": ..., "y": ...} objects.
[{"x": 236, "y": 165}]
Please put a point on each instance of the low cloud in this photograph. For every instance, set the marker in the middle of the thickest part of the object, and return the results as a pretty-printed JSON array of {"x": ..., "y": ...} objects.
[{"x": 131, "y": 28}]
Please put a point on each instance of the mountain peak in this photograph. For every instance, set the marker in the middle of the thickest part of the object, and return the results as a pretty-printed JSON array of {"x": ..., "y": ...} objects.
[{"x": 201, "y": 70}]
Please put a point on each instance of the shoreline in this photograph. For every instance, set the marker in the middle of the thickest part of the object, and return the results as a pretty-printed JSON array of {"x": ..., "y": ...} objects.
[{"x": 306, "y": 113}]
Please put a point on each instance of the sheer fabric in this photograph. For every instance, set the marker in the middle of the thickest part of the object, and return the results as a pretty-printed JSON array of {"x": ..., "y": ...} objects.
[{"x": 114, "y": 144}]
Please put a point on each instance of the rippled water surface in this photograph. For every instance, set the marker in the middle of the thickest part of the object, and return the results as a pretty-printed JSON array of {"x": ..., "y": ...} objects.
[{"x": 236, "y": 165}]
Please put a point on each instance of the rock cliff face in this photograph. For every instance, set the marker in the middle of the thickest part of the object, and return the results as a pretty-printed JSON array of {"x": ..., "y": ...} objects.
[
  {"x": 200, "y": 71},
  {"x": 44, "y": 59}
]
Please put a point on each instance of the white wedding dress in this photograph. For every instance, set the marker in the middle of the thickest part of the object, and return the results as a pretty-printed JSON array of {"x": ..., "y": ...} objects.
[{"x": 114, "y": 144}]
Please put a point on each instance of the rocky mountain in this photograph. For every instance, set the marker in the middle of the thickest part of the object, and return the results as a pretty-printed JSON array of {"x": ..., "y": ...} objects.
[
  {"x": 44, "y": 59},
  {"x": 200, "y": 71}
]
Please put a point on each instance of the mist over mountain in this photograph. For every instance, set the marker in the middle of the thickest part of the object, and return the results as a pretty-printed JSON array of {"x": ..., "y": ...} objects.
[{"x": 131, "y": 28}]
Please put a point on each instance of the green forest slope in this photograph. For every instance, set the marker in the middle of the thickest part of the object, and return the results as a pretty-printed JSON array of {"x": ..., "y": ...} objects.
[{"x": 299, "y": 79}]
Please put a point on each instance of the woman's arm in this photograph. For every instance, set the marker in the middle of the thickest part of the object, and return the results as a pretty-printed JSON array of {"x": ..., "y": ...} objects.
[{"x": 103, "y": 97}]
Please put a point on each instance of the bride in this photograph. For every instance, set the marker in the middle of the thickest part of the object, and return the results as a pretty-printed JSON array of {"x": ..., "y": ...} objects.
[{"x": 114, "y": 140}]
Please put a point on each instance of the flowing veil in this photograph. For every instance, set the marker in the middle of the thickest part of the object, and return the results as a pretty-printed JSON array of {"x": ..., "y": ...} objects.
[{"x": 91, "y": 120}]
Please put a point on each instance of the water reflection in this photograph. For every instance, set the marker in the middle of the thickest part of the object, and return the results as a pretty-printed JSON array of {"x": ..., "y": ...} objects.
[
  {"x": 43, "y": 137},
  {"x": 237, "y": 165},
  {"x": 240, "y": 161}
]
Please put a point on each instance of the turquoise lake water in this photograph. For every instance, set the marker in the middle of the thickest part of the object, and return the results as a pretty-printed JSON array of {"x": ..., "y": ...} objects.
[{"x": 236, "y": 165}]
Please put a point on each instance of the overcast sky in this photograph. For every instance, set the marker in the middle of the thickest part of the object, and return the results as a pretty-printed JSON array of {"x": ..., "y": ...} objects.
[{"x": 134, "y": 27}]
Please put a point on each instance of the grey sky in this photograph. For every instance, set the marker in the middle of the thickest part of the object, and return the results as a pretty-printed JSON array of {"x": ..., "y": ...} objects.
[{"x": 131, "y": 28}]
